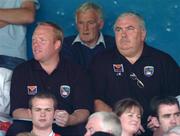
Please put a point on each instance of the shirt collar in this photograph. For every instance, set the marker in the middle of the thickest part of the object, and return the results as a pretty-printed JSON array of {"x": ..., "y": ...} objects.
[
  {"x": 100, "y": 40},
  {"x": 145, "y": 53},
  {"x": 51, "y": 134}
]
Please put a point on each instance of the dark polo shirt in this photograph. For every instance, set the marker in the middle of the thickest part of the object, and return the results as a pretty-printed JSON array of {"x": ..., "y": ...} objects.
[
  {"x": 111, "y": 74},
  {"x": 67, "y": 82}
]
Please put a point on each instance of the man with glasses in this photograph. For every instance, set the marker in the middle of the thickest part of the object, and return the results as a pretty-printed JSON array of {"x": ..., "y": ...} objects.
[{"x": 133, "y": 69}]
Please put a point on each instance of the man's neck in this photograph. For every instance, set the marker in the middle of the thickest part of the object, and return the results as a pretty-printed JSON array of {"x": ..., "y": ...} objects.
[
  {"x": 134, "y": 57},
  {"x": 50, "y": 65},
  {"x": 132, "y": 60},
  {"x": 126, "y": 134},
  {"x": 42, "y": 132}
]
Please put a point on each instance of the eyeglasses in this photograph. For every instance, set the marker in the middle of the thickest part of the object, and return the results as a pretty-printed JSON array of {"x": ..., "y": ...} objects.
[{"x": 139, "y": 82}]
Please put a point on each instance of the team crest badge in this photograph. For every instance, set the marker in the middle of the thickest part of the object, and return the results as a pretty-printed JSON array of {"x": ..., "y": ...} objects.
[
  {"x": 32, "y": 89},
  {"x": 118, "y": 69},
  {"x": 65, "y": 90},
  {"x": 148, "y": 71}
]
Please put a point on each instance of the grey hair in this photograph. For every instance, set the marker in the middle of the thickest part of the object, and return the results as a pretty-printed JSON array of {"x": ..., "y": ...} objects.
[
  {"x": 90, "y": 6},
  {"x": 134, "y": 14},
  {"x": 110, "y": 122},
  {"x": 175, "y": 130}
]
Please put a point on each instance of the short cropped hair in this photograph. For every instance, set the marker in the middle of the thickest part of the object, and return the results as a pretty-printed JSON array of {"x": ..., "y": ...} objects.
[
  {"x": 90, "y": 6},
  {"x": 58, "y": 31},
  {"x": 159, "y": 100},
  {"x": 126, "y": 104},
  {"x": 43, "y": 95},
  {"x": 110, "y": 121},
  {"x": 175, "y": 130},
  {"x": 134, "y": 14}
]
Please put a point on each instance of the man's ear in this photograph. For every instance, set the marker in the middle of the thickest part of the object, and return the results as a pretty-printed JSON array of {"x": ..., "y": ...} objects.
[
  {"x": 29, "y": 113},
  {"x": 143, "y": 34},
  {"x": 58, "y": 44},
  {"x": 101, "y": 24}
]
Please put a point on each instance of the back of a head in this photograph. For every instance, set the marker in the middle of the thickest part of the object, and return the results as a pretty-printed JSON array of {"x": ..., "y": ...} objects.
[
  {"x": 110, "y": 122},
  {"x": 175, "y": 130},
  {"x": 102, "y": 134}
]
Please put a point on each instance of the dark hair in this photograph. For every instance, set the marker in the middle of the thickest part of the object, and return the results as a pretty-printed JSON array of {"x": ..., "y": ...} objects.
[
  {"x": 122, "y": 105},
  {"x": 159, "y": 100},
  {"x": 43, "y": 95},
  {"x": 102, "y": 134}
]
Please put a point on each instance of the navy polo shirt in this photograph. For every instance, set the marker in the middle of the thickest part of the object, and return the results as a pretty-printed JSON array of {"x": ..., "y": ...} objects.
[
  {"x": 67, "y": 82},
  {"x": 111, "y": 73},
  {"x": 81, "y": 54}
]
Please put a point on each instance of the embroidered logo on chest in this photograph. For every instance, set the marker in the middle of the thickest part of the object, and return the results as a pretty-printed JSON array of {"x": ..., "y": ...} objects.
[
  {"x": 65, "y": 91},
  {"x": 148, "y": 71},
  {"x": 118, "y": 69},
  {"x": 32, "y": 89}
]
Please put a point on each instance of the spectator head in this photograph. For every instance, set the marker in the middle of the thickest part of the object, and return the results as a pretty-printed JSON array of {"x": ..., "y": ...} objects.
[
  {"x": 129, "y": 112},
  {"x": 104, "y": 122},
  {"x": 102, "y": 134},
  {"x": 42, "y": 109},
  {"x": 167, "y": 111},
  {"x": 89, "y": 21},
  {"x": 130, "y": 33},
  {"x": 46, "y": 41},
  {"x": 175, "y": 131}
]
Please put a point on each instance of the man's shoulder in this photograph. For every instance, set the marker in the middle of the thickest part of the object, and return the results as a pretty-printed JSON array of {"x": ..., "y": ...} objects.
[
  {"x": 157, "y": 52},
  {"x": 68, "y": 64},
  {"x": 69, "y": 39},
  {"x": 105, "y": 57},
  {"x": 160, "y": 56},
  {"x": 109, "y": 40},
  {"x": 106, "y": 36},
  {"x": 25, "y": 65},
  {"x": 107, "y": 53}
]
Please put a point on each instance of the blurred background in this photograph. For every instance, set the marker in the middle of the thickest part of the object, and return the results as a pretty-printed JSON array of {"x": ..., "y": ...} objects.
[{"x": 162, "y": 19}]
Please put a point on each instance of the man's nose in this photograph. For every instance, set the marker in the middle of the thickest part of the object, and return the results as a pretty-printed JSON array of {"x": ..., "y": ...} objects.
[
  {"x": 124, "y": 34},
  {"x": 85, "y": 27},
  {"x": 173, "y": 120},
  {"x": 43, "y": 113}
]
